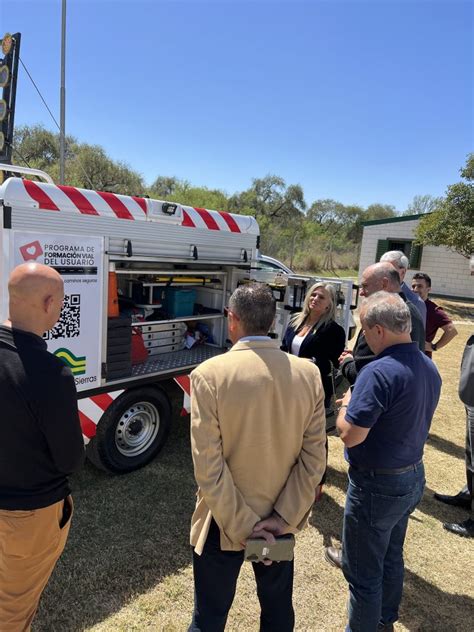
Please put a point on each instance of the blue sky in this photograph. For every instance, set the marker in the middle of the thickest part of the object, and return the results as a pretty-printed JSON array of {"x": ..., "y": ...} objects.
[{"x": 358, "y": 101}]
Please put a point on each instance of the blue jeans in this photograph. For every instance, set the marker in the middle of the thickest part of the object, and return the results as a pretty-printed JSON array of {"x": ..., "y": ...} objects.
[{"x": 375, "y": 523}]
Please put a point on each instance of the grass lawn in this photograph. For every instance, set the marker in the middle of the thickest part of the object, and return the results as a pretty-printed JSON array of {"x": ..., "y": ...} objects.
[
  {"x": 127, "y": 563},
  {"x": 340, "y": 274}
]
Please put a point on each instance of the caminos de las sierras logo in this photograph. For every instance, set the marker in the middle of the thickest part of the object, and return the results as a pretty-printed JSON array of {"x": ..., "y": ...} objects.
[{"x": 76, "y": 364}]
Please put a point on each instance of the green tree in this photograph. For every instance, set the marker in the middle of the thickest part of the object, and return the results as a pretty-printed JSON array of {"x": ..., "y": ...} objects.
[
  {"x": 200, "y": 197},
  {"x": 91, "y": 168},
  {"x": 279, "y": 210},
  {"x": 165, "y": 186},
  {"x": 452, "y": 224},
  {"x": 38, "y": 148},
  {"x": 270, "y": 199},
  {"x": 422, "y": 204},
  {"x": 87, "y": 166},
  {"x": 379, "y": 211}
]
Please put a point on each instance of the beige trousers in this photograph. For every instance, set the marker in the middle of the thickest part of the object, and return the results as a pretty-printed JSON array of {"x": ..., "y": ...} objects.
[{"x": 31, "y": 543}]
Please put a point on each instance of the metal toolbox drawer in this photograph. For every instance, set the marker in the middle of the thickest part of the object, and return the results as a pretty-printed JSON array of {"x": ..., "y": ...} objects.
[
  {"x": 165, "y": 349},
  {"x": 178, "y": 327}
]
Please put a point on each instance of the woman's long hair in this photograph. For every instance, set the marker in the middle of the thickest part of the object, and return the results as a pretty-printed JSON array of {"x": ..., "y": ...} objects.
[{"x": 298, "y": 320}]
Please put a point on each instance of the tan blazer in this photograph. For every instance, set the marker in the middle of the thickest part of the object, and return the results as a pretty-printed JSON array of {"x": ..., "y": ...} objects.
[{"x": 258, "y": 440}]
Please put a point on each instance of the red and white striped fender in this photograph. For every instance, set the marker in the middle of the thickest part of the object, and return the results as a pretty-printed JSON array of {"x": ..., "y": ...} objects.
[
  {"x": 184, "y": 383},
  {"x": 91, "y": 410},
  {"x": 218, "y": 220},
  {"x": 52, "y": 197},
  {"x": 59, "y": 198}
]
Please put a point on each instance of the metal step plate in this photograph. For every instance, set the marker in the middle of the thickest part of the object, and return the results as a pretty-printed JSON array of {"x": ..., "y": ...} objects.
[{"x": 188, "y": 358}]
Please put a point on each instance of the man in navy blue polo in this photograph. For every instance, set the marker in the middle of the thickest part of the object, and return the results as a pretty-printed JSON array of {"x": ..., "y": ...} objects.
[{"x": 384, "y": 426}]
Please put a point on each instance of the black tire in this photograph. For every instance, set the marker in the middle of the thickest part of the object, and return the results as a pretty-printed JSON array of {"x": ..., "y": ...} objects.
[{"x": 132, "y": 430}]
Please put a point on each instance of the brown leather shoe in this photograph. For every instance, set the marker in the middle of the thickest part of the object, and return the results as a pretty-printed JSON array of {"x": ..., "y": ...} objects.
[{"x": 333, "y": 556}]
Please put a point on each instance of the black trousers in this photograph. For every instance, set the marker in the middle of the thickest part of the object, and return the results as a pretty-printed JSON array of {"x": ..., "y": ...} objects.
[
  {"x": 469, "y": 488},
  {"x": 215, "y": 579}
]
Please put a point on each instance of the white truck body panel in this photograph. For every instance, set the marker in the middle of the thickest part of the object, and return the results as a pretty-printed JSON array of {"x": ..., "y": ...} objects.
[{"x": 86, "y": 235}]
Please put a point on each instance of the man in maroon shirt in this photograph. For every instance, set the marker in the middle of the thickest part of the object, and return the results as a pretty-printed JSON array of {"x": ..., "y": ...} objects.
[{"x": 436, "y": 317}]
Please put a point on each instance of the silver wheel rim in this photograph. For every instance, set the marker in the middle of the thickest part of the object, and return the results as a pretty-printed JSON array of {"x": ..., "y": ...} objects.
[{"x": 137, "y": 429}]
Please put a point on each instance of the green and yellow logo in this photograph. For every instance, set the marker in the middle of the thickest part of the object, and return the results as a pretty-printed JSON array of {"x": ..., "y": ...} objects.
[{"x": 77, "y": 365}]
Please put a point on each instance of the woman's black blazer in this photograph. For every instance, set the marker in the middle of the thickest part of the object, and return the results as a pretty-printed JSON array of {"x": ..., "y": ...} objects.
[{"x": 324, "y": 345}]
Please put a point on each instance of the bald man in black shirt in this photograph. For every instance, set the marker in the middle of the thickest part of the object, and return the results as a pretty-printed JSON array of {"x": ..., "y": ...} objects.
[{"x": 41, "y": 444}]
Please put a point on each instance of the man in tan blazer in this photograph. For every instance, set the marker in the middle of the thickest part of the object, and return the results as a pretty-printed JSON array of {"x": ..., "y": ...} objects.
[{"x": 258, "y": 445}]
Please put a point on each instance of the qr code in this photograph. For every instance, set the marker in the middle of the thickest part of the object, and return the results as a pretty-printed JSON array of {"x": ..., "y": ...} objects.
[{"x": 69, "y": 323}]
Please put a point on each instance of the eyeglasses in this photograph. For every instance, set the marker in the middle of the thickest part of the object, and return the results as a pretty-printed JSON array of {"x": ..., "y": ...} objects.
[{"x": 227, "y": 311}]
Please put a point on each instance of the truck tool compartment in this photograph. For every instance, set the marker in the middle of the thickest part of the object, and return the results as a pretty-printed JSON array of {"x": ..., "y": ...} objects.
[{"x": 146, "y": 283}]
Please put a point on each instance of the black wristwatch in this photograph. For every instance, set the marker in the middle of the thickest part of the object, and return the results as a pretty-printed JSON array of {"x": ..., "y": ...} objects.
[{"x": 434, "y": 346}]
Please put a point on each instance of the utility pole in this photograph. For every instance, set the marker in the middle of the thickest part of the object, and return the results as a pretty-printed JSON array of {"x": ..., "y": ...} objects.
[{"x": 62, "y": 118}]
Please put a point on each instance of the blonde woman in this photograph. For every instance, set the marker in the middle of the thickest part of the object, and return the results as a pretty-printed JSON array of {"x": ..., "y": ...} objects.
[{"x": 313, "y": 333}]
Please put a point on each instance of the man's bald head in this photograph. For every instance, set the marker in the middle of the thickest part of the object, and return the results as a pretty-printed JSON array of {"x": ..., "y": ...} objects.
[
  {"x": 378, "y": 277},
  {"x": 36, "y": 294}
]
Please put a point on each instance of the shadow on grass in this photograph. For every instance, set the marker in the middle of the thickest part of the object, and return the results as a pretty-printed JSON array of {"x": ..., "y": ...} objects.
[
  {"x": 128, "y": 533},
  {"x": 424, "y": 606},
  {"x": 443, "y": 445},
  {"x": 326, "y": 516},
  {"x": 429, "y": 505},
  {"x": 458, "y": 310}
]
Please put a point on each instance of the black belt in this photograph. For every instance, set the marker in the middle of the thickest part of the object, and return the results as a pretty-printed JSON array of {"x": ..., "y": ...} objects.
[{"x": 395, "y": 470}]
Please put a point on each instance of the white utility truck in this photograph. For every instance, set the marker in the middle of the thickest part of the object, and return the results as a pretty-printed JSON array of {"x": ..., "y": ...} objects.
[{"x": 170, "y": 267}]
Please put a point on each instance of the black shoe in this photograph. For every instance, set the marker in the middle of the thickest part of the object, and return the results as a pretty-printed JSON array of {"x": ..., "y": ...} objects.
[
  {"x": 385, "y": 627},
  {"x": 464, "y": 529},
  {"x": 459, "y": 500},
  {"x": 333, "y": 556}
]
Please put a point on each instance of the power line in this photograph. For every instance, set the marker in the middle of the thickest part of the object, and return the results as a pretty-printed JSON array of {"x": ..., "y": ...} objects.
[
  {"x": 55, "y": 121},
  {"x": 24, "y": 159},
  {"x": 38, "y": 91}
]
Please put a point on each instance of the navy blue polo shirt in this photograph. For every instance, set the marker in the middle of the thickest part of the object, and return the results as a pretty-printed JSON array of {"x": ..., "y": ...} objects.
[{"x": 395, "y": 396}]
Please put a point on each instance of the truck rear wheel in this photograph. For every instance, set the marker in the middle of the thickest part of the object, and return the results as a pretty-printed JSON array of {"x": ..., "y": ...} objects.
[{"x": 132, "y": 430}]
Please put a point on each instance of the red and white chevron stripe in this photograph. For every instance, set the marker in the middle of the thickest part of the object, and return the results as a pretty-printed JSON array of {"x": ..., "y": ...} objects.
[
  {"x": 216, "y": 220},
  {"x": 184, "y": 383},
  {"x": 56, "y": 198},
  {"x": 91, "y": 410}
]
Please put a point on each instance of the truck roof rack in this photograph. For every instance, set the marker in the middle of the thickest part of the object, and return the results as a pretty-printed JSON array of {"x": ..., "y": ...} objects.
[{"x": 27, "y": 171}]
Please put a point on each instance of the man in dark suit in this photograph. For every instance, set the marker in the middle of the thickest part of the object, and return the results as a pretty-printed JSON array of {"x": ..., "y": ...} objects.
[
  {"x": 375, "y": 278},
  {"x": 465, "y": 498}
]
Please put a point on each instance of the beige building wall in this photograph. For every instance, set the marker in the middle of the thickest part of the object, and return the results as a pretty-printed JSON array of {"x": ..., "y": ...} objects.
[{"x": 448, "y": 270}]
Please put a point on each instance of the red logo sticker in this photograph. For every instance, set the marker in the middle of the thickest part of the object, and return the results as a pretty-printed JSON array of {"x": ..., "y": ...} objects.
[{"x": 31, "y": 251}]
